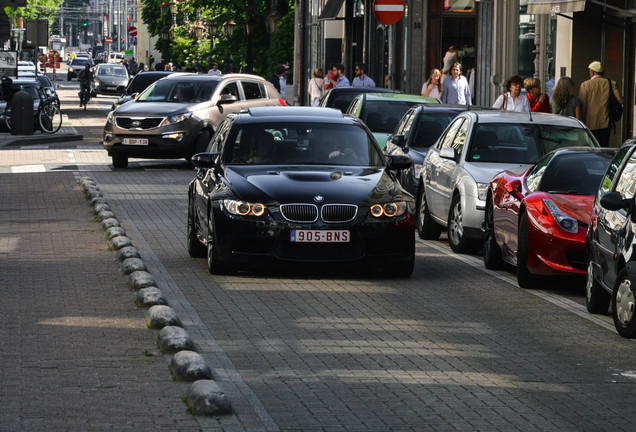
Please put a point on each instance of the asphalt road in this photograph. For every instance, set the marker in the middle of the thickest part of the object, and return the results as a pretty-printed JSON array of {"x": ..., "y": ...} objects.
[{"x": 453, "y": 347}]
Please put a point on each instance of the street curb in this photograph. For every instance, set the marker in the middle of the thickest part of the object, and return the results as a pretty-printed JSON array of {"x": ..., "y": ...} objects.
[
  {"x": 47, "y": 139},
  {"x": 204, "y": 396}
]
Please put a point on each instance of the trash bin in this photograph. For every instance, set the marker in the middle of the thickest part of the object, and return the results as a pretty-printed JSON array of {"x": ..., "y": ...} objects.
[{"x": 22, "y": 113}]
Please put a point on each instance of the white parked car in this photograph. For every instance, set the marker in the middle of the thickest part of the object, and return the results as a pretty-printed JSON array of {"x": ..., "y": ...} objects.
[{"x": 475, "y": 147}]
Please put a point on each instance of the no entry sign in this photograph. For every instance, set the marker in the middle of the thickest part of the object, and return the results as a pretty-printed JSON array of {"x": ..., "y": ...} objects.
[
  {"x": 109, "y": 39},
  {"x": 132, "y": 31},
  {"x": 388, "y": 11}
]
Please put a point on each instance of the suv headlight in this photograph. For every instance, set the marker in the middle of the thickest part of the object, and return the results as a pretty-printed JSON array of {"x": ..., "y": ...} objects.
[
  {"x": 109, "y": 118},
  {"x": 176, "y": 118},
  {"x": 392, "y": 209}
]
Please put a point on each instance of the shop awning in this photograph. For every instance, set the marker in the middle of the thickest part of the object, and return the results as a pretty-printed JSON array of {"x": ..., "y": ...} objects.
[
  {"x": 554, "y": 6},
  {"x": 331, "y": 9}
]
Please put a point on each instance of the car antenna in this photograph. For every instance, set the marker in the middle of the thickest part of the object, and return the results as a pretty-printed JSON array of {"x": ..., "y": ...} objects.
[{"x": 530, "y": 114}]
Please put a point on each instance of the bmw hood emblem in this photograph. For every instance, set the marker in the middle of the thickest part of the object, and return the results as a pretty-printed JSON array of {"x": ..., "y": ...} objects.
[{"x": 319, "y": 198}]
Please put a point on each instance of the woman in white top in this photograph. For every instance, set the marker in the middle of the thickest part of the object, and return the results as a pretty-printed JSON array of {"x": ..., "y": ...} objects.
[
  {"x": 433, "y": 85},
  {"x": 513, "y": 100},
  {"x": 450, "y": 58},
  {"x": 316, "y": 87}
]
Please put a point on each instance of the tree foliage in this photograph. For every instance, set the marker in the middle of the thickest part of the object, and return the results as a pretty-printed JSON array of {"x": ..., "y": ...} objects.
[
  {"x": 36, "y": 9},
  {"x": 267, "y": 50}
]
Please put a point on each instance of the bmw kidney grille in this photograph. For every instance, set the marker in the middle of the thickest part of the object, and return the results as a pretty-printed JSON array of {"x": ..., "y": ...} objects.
[{"x": 329, "y": 213}]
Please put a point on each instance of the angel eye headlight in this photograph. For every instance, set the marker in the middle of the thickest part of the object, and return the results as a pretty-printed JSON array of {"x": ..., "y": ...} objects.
[
  {"x": 389, "y": 209},
  {"x": 176, "y": 118},
  {"x": 243, "y": 208}
]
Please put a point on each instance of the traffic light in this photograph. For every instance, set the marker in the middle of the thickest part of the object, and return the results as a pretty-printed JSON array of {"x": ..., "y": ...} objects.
[{"x": 85, "y": 24}]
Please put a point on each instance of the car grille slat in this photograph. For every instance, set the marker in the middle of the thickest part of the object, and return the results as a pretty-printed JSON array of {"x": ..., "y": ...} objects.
[
  {"x": 304, "y": 213},
  {"x": 144, "y": 123},
  {"x": 338, "y": 213}
]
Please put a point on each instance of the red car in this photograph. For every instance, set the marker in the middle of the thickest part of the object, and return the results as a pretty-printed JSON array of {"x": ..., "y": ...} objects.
[{"x": 537, "y": 220}]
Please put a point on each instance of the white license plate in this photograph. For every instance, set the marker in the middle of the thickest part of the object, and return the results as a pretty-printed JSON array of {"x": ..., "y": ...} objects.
[
  {"x": 134, "y": 141},
  {"x": 319, "y": 236}
]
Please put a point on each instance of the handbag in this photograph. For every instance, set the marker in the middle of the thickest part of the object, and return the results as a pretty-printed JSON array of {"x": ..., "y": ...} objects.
[{"x": 615, "y": 108}]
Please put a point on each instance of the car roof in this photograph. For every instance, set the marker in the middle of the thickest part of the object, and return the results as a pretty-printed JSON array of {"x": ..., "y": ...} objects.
[
  {"x": 26, "y": 80},
  {"x": 398, "y": 97},
  {"x": 501, "y": 116},
  {"x": 293, "y": 113},
  {"x": 358, "y": 90},
  {"x": 192, "y": 76},
  {"x": 574, "y": 150}
]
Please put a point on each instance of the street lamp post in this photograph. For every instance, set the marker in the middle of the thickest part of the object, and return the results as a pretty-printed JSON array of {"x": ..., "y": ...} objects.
[{"x": 229, "y": 29}]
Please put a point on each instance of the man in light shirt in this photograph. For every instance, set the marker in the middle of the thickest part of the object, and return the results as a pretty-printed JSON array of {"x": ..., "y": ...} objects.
[
  {"x": 362, "y": 79},
  {"x": 456, "y": 90}
]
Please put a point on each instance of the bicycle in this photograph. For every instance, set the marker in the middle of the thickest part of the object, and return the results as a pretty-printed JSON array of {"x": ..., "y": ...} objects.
[
  {"x": 48, "y": 116},
  {"x": 84, "y": 95}
]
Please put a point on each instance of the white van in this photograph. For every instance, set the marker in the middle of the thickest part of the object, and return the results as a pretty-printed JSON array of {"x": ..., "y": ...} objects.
[{"x": 117, "y": 57}]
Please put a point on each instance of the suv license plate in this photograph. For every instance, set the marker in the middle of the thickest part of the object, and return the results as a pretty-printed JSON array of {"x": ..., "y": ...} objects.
[
  {"x": 319, "y": 236},
  {"x": 134, "y": 141}
]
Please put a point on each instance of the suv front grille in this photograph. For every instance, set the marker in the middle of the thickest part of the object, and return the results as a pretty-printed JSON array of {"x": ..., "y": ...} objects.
[{"x": 144, "y": 123}]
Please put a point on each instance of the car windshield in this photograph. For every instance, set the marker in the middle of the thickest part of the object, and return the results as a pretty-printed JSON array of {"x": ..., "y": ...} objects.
[
  {"x": 522, "y": 143},
  {"x": 112, "y": 71},
  {"x": 80, "y": 62},
  {"x": 577, "y": 173},
  {"x": 302, "y": 144},
  {"x": 430, "y": 128},
  {"x": 193, "y": 91},
  {"x": 141, "y": 82},
  {"x": 384, "y": 116},
  {"x": 45, "y": 81}
]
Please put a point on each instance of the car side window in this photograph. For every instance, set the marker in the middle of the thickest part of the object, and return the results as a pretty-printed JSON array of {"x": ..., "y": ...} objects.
[
  {"x": 216, "y": 143},
  {"x": 626, "y": 184},
  {"x": 252, "y": 90},
  {"x": 450, "y": 134},
  {"x": 231, "y": 89},
  {"x": 406, "y": 124},
  {"x": 350, "y": 109},
  {"x": 460, "y": 138},
  {"x": 533, "y": 179},
  {"x": 608, "y": 178}
]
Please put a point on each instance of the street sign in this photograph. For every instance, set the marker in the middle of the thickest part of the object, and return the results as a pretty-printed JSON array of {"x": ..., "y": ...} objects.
[
  {"x": 388, "y": 11},
  {"x": 109, "y": 39},
  {"x": 132, "y": 31}
]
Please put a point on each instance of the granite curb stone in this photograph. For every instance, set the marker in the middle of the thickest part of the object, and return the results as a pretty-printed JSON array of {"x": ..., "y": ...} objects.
[
  {"x": 109, "y": 223},
  {"x": 160, "y": 316},
  {"x": 130, "y": 265},
  {"x": 120, "y": 242},
  {"x": 150, "y": 296},
  {"x": 114, "y": 232},
  {"x": 140, "y": 279},
  {"x": 125, "y": 252},
  {"x": 205, "y": 397},
  {"x": 105, "y": 214},
  {"x": 172, "y": 339},
  {"x": 189, "y": 366}
]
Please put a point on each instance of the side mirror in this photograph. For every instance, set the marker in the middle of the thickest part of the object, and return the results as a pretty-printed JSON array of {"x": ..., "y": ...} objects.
[
  {"x": 205, "y": 160},
  {"x": 399, "y": 162},
  {"x": 226, "y": 99},
  {"x": 614, "y": 201},
  {"x": 448, "y": 153},
  {"x": 398, "y": 140},
  {"x": 514, "y": 189}
]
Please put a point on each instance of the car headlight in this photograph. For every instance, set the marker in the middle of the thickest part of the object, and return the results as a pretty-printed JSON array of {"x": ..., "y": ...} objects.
[
  {"x": 417, "y": 170},
  {"x": 109, "y": 118},
  {"x": 71, "y": 69},
  {"x": 566, "y": 222},
  {"x": 243, "y": 208},
  {"x": 97, "y": 83},
  {"x": 482, "y": 191},
  {"x": 176, "y": 118},
  {"x": 392, "y": 209}
]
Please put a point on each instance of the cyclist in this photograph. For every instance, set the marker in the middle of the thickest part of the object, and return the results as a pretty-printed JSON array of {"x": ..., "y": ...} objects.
[{"x": 86, "y": 79}]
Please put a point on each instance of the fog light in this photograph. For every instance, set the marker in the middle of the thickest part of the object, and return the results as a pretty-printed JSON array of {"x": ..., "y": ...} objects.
[{"x": 175, "y": 136}]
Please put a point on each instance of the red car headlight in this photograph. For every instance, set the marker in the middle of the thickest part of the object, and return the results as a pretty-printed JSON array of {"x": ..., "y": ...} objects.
[{"x": 567, "y": 223}]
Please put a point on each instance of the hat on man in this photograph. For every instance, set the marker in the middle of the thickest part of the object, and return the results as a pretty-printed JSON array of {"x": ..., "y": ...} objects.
[{"x": 596, "y": 66}]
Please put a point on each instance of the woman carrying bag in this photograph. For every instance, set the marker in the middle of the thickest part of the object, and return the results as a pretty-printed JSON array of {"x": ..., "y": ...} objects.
[{"x": 316, "y": 87}]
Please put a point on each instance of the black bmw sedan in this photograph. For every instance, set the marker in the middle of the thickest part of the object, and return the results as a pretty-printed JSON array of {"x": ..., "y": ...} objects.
[{"x": 299, "y": 184}]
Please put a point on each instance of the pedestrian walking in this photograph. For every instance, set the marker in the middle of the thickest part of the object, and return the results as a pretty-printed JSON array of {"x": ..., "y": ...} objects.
[
  {"x": 134, "y": 68},
  {"x": 539, "y": 102},
  {"x": 279, "y": 70},
  {"x": 316, "y": 88},
  {"x": 161, "y": 66},
  {"x": 433, "y": 85},
  {"x": 338, "y": 73},
  {"x": 595, "y": 98},
  {"x": 455, "y": 89},
  {"x": 450, "y": 58},
  {"x": 564, "y": 100},
  {"x": 362, "y": 79},
  {"x": 513, "y": 100}
]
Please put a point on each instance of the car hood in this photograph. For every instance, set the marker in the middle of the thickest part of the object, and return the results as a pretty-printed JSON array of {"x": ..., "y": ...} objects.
[
  {"x": 153, "y": 108},
  {"x": 485, "y": 171},
  {"x": 302, "y": 184}
]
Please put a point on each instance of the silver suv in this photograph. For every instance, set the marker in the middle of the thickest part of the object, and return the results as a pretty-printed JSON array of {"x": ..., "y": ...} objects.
[{"x": 176, "y": 116}]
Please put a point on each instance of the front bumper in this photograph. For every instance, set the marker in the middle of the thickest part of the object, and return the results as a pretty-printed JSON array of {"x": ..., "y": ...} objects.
[
  {"x": 254, "y": 241},
  {"x": 172, "y": 141}
]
